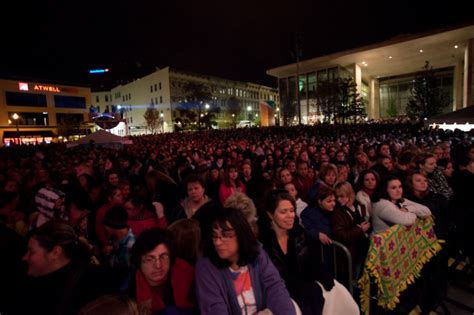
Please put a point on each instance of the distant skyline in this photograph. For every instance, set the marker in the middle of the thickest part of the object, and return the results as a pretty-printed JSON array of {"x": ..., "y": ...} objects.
[{"x": 57, "y": 40}]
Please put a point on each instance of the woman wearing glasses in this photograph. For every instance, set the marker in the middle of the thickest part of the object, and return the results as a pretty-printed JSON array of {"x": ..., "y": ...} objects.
[
  {"x": 236, "y": 276},
  {"x": 162, "y": 284}
]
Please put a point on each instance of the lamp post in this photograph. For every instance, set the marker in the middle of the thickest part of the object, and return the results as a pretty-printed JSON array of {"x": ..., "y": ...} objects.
[
  {"x": 16, "y": 117},
  {"x": 162, "y": 122},
  {"x": 249, "y": 108}
]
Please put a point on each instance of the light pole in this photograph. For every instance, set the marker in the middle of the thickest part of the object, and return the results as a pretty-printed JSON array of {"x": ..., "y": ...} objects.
[
  {"x": 16, "y": 117},
  {"x": 162, "y": 122},
  {"x": 249, "y": 108}
]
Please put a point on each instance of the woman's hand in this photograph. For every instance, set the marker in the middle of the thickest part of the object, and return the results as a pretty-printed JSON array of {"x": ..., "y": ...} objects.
[
  {"x": 364, "y": 226},
  {"x": 325, "y": 240}
]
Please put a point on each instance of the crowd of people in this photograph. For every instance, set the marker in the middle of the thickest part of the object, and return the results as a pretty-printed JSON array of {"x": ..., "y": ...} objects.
[{"x": 220, "y": 221}]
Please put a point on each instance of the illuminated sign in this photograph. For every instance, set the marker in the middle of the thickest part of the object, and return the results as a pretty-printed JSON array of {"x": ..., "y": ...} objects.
[
  {"x": 46, "y": 88},
  {"x": 98, "y": 71},
  {"x": 23, "y": 86}
]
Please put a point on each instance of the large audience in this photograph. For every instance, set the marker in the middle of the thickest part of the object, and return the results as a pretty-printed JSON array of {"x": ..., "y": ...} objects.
[{"x": 223, "y": 221}]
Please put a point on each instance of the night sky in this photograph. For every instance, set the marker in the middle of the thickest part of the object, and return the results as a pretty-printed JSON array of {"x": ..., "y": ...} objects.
[{"x": 240, "y": 40}]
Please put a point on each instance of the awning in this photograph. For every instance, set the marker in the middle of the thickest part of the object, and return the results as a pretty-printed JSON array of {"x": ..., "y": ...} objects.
[{"x": 29, "y": 134}]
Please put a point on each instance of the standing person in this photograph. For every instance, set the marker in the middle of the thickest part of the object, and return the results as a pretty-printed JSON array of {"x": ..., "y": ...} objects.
[
  {"x": 302, "y": 181},
  {"x": 114, "y": 198},
  {"x": 121, "y": 240},
  {"x": 463, "y": 181},
  {"x": 317, "y": 219},
  {"x": 327, "y": 178},
  {"x": 144, "y": 215},
  {"x": 195, "y": 199},
  {"x": 294, "y": 255},
  {"x": 230, "y": 184},
  {"x": 60, "y": 279},
  {"x": 366, "y": 184},
  {"x": 437, "y": 181},
  {"x": 161, "y": 282},
  {"x": 349, "y": 225},
  {"x": 389, "y": 207},
  {"x": 236, "y": 276},
  {"x": 300, "y": 204},
  {"x": 418, "y": 191}
]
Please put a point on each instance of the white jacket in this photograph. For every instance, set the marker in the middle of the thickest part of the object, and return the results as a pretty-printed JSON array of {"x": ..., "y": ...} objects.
[{"x": 386, "y": 213}]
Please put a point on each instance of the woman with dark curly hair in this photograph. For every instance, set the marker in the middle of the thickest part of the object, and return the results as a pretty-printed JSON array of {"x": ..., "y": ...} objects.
[{"x": 236, "y": 276}]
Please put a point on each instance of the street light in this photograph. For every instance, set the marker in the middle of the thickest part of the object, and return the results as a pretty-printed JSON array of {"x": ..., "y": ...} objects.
[
  {"x": 162, "y": 122},
  {"x": 207, "y": 106},
  {"x": 16, "y": 117}
]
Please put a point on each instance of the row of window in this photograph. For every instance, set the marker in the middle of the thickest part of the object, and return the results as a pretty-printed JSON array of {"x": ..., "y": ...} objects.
[
  {"x": 231, "y": 91},
  {"x": 155, "y": 100},
  {"x": 39, "y": 100},
  {"x": 97, "y": 98},
  {"x": 127, "y": 97},
  {"x": 155, "y": 86},
  {"x": 42, "y": 119}
]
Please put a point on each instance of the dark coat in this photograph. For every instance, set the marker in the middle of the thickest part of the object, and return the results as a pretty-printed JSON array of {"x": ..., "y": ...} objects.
[
  {"x": 299, "y": 268},
  {"x": 344, "y": 225}
]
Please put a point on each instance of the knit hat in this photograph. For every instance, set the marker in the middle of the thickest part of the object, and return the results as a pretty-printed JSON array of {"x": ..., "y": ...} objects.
[{"x": 116, "y": 218}]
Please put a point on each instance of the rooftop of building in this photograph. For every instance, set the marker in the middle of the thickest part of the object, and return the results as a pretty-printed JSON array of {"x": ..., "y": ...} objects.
[{"x": 399, "y": 55}]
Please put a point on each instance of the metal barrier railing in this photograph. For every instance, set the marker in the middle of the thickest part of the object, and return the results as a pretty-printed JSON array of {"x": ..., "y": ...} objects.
[{"x": 343, "y": 248}]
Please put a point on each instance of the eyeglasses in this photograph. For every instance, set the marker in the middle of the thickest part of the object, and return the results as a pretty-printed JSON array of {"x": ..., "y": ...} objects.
[
  {"x": 224, "y": 237},
  {"x": 151, "y": 260}
]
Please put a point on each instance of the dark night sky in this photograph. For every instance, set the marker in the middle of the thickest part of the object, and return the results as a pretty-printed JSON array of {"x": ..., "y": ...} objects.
[{"x": 61, "y": 40}]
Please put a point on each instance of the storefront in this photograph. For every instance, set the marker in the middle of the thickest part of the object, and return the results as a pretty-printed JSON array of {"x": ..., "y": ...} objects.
[{"x": 34, "y": 137}]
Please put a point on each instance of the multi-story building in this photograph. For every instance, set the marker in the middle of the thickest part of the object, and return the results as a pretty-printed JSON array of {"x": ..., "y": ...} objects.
[
  {"x": 164, "y": 89},
  {"x": 35, "y": 112},
  {"x": 384, "y": 72}
]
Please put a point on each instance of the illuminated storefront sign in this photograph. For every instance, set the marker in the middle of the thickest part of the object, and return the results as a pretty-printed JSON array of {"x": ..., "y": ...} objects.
[
  {"x": 23, "y": 86},
  {"x": 46, "y": 88}
]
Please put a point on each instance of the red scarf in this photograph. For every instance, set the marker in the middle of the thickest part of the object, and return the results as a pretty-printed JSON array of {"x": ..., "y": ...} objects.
[
  {"x": 368, "y": 191},
  {"x": 182, "y": 282}
]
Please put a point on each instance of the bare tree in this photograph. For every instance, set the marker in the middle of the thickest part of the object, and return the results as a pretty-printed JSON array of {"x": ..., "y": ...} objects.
[{"x": 152, "y": 119}]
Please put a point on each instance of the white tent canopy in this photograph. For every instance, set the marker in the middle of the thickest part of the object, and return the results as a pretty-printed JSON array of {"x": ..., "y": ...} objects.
[{"x": 101, "y": 137}]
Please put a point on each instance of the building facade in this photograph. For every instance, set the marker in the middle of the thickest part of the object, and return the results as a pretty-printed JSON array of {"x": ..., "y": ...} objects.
[
  {"x": 34, "y": 112},
  {"x": 165, "y": 90},
  {"x": 384, "y": 72}
]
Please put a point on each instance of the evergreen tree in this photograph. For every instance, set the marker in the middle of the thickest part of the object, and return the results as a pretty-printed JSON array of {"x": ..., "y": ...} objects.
[{"x": 427, "y": 98}]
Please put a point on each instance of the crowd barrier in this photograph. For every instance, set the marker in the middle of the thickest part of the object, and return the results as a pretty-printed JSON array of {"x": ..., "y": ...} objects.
[{"x": 394, "y": 260}]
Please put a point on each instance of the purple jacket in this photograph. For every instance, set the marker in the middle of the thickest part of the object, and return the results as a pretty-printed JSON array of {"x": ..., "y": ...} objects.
[{"x": 216, "y": 295}]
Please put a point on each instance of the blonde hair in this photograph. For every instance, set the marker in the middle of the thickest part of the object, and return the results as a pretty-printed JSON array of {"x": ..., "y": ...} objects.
[
  {"x": 346, "y": 189},
  {"x": 244, "y": 204}
]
